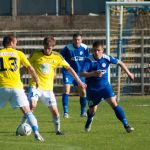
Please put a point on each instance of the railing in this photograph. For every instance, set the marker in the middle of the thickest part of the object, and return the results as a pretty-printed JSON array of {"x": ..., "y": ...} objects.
[{"x": 134, "y": 53}]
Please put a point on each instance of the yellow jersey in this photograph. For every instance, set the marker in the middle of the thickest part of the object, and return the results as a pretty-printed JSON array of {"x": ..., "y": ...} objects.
[
  {"x": 10, "y": 63},
  {"x": 45, "y": 68}
]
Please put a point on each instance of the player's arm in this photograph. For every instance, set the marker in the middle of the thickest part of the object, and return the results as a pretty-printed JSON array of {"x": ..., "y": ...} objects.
[
  {"x": 87, "y": 72},
  {"x": 61, "y": 62},
  {"x": 73, "y": 73},
  {"x": 124, "y": 67},
  {"x": 55, "y": 73},
  {"x": 64, "y": 52},
  {"x": 25, "y": 62},
  {"x": 91, "y": 74},
  {"x": 87, "y": 52},
  {"x": 34, "y": 75}
]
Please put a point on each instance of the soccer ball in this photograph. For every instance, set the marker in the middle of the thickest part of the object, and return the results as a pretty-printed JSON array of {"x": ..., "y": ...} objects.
[{"x": 24, "y": 129}]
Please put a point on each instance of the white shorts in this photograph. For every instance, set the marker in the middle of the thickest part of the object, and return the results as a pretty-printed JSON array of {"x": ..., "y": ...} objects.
[
  {"x": 47, "y": 97},
  {"x": 16, "y": 97}
]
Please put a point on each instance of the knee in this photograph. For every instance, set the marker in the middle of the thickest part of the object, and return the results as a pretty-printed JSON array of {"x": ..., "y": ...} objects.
[
  {"x": 33, "y": 104},
  {"x": 112, "y": 102},
  {"x": 54, "y": 111},
  {"x": 66, "y": 89},
  {"x": 82, "y": 93},
  {"x": 92, "y": 109}
]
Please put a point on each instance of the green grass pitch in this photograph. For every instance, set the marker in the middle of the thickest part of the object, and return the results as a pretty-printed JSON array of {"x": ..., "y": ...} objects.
[{"x": 107, "y": 132}]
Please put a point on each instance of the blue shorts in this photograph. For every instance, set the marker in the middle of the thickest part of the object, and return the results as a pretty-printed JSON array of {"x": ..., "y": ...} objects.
[
  {"x": 94, "y": 97},
  {"x": 69, "y": 79}
]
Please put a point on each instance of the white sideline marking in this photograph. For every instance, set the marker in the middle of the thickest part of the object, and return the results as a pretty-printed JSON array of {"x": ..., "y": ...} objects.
[{"x": 143, "y": 105}]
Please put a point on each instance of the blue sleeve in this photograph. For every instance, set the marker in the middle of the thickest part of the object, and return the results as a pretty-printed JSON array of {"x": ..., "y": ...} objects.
[
  {"x": 110, "y": 59},
  {"x": 113, "y": 60},
  {"x": 64, "y": 52},
  {"x": 87, "y": 53},
  {"x": 86, "y": 66}
]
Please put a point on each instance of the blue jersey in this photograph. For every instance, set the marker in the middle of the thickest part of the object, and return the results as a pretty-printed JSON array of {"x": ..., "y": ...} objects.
[
  {"x": 102, "y": 64},
  {"x": 75, "y": 56}
]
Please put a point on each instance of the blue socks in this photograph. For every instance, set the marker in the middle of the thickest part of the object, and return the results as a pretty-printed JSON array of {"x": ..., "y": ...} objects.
[
  {"x": 89, "y": 115},
  {"x": 120, "y": 115},
  {"x": 65, "y": 102},
  {"x": 83, "y": 105}
]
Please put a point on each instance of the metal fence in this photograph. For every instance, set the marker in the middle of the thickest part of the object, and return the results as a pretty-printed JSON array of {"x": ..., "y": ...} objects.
[
  {"x": 128, "y": 32},
  {"x": 136, "y": 55}
]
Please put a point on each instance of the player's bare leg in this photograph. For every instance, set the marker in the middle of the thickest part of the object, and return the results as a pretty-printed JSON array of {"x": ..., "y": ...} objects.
[{"x": 56, "y": 119}]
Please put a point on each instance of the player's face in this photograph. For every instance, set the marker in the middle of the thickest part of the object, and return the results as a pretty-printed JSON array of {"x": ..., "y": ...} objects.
[
  {"x": 77, "y": 41},
  {"x": 98, "y": 52},
  {"x": 48, "y": 49}
]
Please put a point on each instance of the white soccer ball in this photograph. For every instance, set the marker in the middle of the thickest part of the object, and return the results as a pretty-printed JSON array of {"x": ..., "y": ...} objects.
[{"x": 24, "y": 129}]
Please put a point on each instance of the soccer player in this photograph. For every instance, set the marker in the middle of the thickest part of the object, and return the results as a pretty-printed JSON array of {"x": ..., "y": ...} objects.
[
  {"x": 45, "y": 63},
  {"x": 11, "y": 87},
  {"x": 74, "y": 54},
  {"x": 95, "y": 70}
]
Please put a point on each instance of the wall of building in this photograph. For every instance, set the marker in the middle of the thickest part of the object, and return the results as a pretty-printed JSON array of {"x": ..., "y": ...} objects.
[
  {"x": 40, "y": 15},
  {"x": 51, "y": 22},
  {"x": 49, "y": 7},
  {"x": 5, "y": 7},
  {"x": 85, "y": 7},
  {"x": 36, "y": 7},
  {"x": 62, "y": 22}
]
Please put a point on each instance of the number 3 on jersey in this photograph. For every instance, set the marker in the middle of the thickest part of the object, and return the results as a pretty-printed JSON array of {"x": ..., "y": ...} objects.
[{"x": 13, "y": 64}]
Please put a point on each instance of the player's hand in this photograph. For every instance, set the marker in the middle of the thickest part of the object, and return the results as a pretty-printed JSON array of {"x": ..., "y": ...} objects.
[
  {"x": 98, "y": 73},
  {"x": 131, "y": 76},
  {"x": 82, "y": 85},
  {"x": 37, "y": 84}
]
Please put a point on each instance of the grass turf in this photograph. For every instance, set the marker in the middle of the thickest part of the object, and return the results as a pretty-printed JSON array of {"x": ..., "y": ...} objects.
[{"x": 107, "y": 132}]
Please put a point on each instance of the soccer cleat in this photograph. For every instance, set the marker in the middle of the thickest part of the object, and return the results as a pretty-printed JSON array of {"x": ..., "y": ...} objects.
[
  {"x": 38, "y": 137},
  {"x": 129, "y": 129},
  {"x": 83, "y": 115},
  {"x": 17, "y": 133},
  {"x": 66, "y": 115},
  {"x": 59, "y": 133},
  {"x": 88, "y": 125}
]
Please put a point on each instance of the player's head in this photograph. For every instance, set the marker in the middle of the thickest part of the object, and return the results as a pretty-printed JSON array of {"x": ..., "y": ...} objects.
[
  {"x": 48, "y": 43},
  {"x": 77, "y": 40},
  {"x": 9, "y": 41},
  {"x": 98, "y": 49}
]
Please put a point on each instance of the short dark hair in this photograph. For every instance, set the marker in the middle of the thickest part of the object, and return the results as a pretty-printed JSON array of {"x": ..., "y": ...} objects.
[
  {"x": 98, "y": 43},
  {"x": 7, "y": 40},
  {"x": 49, "y": 41},
  {"x": 75, "y": 35}
]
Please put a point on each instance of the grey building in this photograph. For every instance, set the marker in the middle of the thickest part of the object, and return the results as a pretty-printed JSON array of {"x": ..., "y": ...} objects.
[{"x": 51, "y": 7}]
